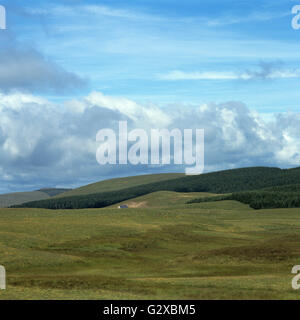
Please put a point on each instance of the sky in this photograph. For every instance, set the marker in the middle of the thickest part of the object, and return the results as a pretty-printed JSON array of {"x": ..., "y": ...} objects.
[{"x": 70, "y": 68}]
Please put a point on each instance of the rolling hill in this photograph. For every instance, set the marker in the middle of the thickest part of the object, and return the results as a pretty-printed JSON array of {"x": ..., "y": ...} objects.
[
  {"x": 110, "y": 192},
  {"x": 54, "y": 191},
  {"x": 217, "y": 250},
  {"x": 286, "y": 196},
  {"x": 119, "y": 184},
  {"x": 10, "y": 199},
  {"x": 161, "y": 199}
]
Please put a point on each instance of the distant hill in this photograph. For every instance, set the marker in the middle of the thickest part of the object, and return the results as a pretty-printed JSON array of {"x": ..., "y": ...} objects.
[
  {"x": 54, "y": 191},
  {"x": 10, "y": 199},
  {"x": 222, "y": 182},
  {"x": 120, "y": 183}
]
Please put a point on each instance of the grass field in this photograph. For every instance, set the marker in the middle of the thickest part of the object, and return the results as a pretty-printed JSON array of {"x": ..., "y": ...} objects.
[
  {"x": 162, "y": 199},
  {"x": 163, "y": 250}
]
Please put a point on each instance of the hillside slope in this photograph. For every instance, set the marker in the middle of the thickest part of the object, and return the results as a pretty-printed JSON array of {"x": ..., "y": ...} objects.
[
  {"x": 10, "y": 199},
  {"x": 228, "y": 181},
  {"x": 119, "y": 184},
  {"x": 16, "y": 198},
  {"x": 286, "y": 196},
  {"x": 161, "y": 199},
  {"x": 54, "y": 191}
]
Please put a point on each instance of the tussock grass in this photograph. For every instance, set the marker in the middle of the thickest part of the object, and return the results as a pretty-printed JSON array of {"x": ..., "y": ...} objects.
[{"x": 217, "y": 250}]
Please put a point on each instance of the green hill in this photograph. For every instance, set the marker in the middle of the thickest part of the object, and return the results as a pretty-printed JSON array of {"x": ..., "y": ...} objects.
[
  {"x": 16, "y": 198},
  {"x": 10, "y": 199},
  {"x": 119, "y": 184},
  {"x": 287, "y": 196},
  {"x": 54, "y": 191},
  {"x": 161, "y": 199},
  {"x": 216, "y": 250},
  {"x": 222, "y": 182}
]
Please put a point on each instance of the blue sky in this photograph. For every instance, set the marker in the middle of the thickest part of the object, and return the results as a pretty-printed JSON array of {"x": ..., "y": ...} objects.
[
  {"x": 128, "y": 47},
  {"x": 172, "y": 56}
]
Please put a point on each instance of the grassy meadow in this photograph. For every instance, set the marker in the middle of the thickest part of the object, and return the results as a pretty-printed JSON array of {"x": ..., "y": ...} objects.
[{"x": 161, "y": 248}]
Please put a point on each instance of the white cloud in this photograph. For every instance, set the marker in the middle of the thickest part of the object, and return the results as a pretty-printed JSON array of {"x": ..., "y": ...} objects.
[
  {"x": 211, "y": 75},
  {"x": 245, "y": 18},
  {"x": 141, "y": 114},
  {"x": 134, "y": 14},
  {"x": 47, "y": 144},
  {"x": 230, "y": 75},
  {"x": 27, "y": 69},
  {"x": 89, "y": 10}
]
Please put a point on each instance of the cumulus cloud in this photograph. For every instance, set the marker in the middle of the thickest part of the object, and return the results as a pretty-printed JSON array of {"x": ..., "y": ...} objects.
[
  {"x": 46, "y": 144},
  {"x": 28, "y": 70}
]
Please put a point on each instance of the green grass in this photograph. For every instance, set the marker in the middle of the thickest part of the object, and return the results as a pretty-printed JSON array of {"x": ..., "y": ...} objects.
[
  {"x": 119, "y": 184},
  {"x": 162, "y": 199},
  {"x": 165, "y": 250}
]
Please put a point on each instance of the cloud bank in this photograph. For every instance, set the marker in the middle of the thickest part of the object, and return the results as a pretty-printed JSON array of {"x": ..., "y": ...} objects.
[
  {"x": 28, "y": 70},
  {"x": 46, "y": 144}
]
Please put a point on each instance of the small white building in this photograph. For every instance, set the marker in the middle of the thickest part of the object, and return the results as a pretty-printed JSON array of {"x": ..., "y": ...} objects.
[{"x": 123, "y": 206}]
